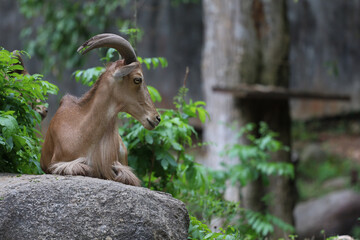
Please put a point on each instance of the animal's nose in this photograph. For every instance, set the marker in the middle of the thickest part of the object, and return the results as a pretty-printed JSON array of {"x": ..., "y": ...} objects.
[{"x": 158, "y": 118}]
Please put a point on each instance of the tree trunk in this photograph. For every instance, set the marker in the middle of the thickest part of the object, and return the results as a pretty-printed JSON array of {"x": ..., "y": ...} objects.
[
  {"x": 220, "y": 66},
  {"x": 247, "y": 42}
]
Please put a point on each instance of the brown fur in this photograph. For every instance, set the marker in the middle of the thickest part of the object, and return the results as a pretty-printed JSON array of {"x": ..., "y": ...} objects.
[
  {"x": 89, "y": 95},
  {"x": 83, "y": 139},
  {"x": 76, "y": 167}
]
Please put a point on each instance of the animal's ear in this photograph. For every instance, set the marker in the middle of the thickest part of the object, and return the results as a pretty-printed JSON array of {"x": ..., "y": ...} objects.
[{"x": 125, "y": 70}]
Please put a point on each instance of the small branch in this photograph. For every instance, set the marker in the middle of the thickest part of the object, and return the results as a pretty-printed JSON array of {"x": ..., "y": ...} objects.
[{"x": 186, "y": 75}]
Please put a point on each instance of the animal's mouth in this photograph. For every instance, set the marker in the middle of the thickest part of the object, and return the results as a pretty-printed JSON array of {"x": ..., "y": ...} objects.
[{"x": 151, "y": 123}]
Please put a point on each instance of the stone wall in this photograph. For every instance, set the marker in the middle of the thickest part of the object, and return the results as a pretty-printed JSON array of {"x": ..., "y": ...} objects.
[{"x": 324, "y": 53}]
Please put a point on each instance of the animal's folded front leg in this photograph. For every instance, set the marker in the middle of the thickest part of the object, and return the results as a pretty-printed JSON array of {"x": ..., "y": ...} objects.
[
  {"x": 125, "y": 175},
  {"x": 76, "y": 167}
]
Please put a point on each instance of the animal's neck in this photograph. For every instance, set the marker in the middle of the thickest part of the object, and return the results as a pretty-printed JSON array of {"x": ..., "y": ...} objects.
[
  {"x": 100, "y": 110},
  {"x": 100, "y": 122}
]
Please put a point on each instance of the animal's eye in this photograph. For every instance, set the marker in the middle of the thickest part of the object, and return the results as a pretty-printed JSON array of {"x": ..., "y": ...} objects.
[{"x": 137, "y": 80}]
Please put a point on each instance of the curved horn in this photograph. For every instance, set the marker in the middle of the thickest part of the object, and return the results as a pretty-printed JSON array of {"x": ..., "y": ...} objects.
[{"x": 112, "y": 41}]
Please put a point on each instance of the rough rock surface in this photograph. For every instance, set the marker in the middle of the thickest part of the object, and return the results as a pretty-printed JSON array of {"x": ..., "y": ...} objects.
[
  {"x": 335, "y": 213},
  {"x": 74, "y": 207},
  {"x": 313, "y": 152}
]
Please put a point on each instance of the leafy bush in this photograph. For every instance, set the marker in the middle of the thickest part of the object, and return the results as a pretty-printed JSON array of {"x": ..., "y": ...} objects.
[
  {"x": 19, "y": 144},
  {"x": 255, "y": 163},
  {"x": 254, "y": 158},
  {"x": 199, "y": 230},
  {"x": 157, "y": 155},
  {"x": 61, "y": 24}
]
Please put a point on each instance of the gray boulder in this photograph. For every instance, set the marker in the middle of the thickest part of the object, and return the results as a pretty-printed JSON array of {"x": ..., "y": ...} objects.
[
  {"x": 336, "y": 213},
  {"x": 75, "y": 207}
]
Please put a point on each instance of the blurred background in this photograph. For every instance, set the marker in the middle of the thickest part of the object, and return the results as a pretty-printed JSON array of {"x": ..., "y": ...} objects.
[{"x": 289, "y": 63}]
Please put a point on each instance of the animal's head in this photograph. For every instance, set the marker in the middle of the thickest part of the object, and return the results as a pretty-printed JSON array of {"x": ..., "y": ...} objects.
[
  {"x": 126, "y": 79},
  {"x": 41, "y": 109}
]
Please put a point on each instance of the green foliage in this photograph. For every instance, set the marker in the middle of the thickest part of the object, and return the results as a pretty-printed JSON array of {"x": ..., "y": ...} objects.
[
  {"x": 254, "y": 163},
  {"x": 202, "y": 190},
  {"x": 89, "y": 76},
  {"x": 191, "y": 109},
  {"x": 62, "y": 25},
  {"x": 134, "y": 34},
  {"x": 162, "y": 162},
  {"x": 355, "y": 232},
  {"x": 65, "y": 24},
  {"x": 154, "y": 94},
  {"x": 155, "y": 61},
  {"x": 203, "y": 196},
  {"x": 156, "y": 155},
  {"x": 263, "y": 224},
  {"x": 19, "y": 144},
  {"x": 312, "y": 177},
  {"x": 199, "y": 230},
  {"x": 254, "y": 158}
]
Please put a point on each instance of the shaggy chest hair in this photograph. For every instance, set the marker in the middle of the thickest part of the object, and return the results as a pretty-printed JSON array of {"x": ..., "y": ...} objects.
[{"x": 104, "y": 154}]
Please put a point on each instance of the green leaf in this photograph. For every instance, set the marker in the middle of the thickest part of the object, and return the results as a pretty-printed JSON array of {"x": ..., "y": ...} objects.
[
  {"x": 176, "y": 146},
  {"x": 2, "y": 141},
  {"x": 198, "y": 103},
  {"x": 154, "y": 94},
  {"x": 165, "y": 156},
  {"x": 155, "y": 62},
  {"x": 109, "y": 55},
  {"x": 9, "y": 125},
  {"x": 140, "y": 59},
  {"x": 149, "y": 139},
  {"x": 164, "y": 164},
  {"x": 202, "y": 114},
  {"x": 89, "y": 76},
  {"x": 9, "y": 144},
  {"x": 207, "y": 236},
  {"x": 163, "y": 62},
  {"x": 16, "y": 67},
  {"x": 147, "y": 62}
]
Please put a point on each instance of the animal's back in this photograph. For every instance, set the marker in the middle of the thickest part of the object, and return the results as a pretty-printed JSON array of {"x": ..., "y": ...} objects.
[{"x": 68, "y": 100}]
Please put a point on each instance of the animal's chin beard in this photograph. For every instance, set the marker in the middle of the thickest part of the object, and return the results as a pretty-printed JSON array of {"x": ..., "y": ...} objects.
[{"x": 150, "y": 125}]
